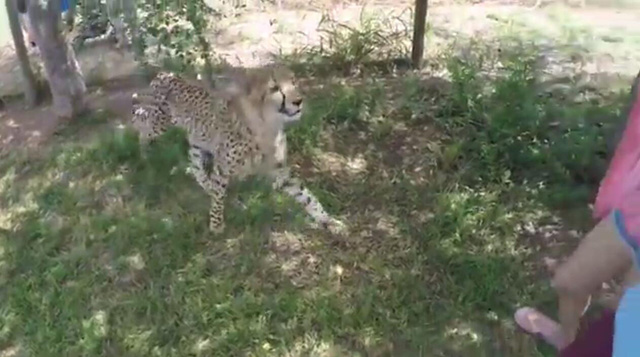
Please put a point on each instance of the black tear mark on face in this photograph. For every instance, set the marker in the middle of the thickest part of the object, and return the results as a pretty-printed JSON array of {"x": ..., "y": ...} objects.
[
  {"x": 283, "y": 105},
  {"x": 283, "y": 108}
]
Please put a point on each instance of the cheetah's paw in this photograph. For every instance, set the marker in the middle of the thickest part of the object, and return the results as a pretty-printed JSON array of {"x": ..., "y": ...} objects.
[{"x": 216, "y": 228}]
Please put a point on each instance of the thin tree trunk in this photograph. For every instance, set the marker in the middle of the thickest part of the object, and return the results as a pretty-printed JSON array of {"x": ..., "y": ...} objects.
[
  {"x": 419, "y": 25},
  {"x": 29, "y": 79},
  {"x": 61, "y": 67}
]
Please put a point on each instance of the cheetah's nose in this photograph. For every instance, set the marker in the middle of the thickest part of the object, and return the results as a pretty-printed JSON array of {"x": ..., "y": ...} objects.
[{"x": 297, "y": 102}]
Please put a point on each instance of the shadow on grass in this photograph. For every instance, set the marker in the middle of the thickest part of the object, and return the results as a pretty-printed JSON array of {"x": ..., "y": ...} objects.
[{"x": 105, "y": 250}]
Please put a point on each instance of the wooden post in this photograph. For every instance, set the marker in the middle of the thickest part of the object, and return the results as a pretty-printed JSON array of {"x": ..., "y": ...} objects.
[
  {"x": 30, "y": 83},
  {"x": 419, "y": 24}
]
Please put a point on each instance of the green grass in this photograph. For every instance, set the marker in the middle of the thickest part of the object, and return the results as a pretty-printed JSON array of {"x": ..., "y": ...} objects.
[{"x": 447, "y": 186}]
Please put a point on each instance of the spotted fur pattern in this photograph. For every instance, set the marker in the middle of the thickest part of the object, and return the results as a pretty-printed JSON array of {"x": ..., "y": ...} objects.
[{"x": 238, "y": 130}]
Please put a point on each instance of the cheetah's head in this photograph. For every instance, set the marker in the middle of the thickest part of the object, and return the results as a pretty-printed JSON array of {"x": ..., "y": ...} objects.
[{"x": 273, "y": 90}]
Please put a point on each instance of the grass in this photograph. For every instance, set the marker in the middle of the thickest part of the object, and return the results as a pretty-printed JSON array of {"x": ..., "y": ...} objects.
[
  {"x": 449, "y": 186},
  {"x": 108, "y": 255}
]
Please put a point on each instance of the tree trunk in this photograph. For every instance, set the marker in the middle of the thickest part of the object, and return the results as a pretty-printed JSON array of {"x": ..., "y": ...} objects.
[
  {"x": 419, "y": 25},
  {"x": 29, "y": 79},
  {"x": 61, "y": 67}
]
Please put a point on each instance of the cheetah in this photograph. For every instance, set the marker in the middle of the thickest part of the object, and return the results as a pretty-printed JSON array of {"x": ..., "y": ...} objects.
[{"x": 233, "y": 132}]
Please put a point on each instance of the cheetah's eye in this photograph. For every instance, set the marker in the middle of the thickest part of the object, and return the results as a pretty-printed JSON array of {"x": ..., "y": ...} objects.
[{"x": 274, "y": 88}]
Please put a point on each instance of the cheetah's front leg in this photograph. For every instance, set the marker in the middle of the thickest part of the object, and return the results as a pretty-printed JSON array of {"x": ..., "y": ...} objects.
[
  {"x": 213, "y": 182},
  {"x": 283, "y": 181}
]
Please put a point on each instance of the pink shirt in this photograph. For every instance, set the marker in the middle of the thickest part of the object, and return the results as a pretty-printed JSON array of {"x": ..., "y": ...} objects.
[{"x": 620, "y": 188}]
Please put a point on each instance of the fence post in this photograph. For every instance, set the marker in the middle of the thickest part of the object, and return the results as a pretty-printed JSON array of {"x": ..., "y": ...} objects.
[{"x": 419, "y": 24}]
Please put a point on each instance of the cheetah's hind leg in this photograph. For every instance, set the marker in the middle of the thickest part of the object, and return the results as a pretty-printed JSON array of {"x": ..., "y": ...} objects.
[
  {"x": 206, "y": 160},
  {"x": 210, "y": 177}
]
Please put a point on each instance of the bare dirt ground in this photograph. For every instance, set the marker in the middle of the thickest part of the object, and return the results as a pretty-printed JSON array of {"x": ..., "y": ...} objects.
[{"x": 24, "y": 128}]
